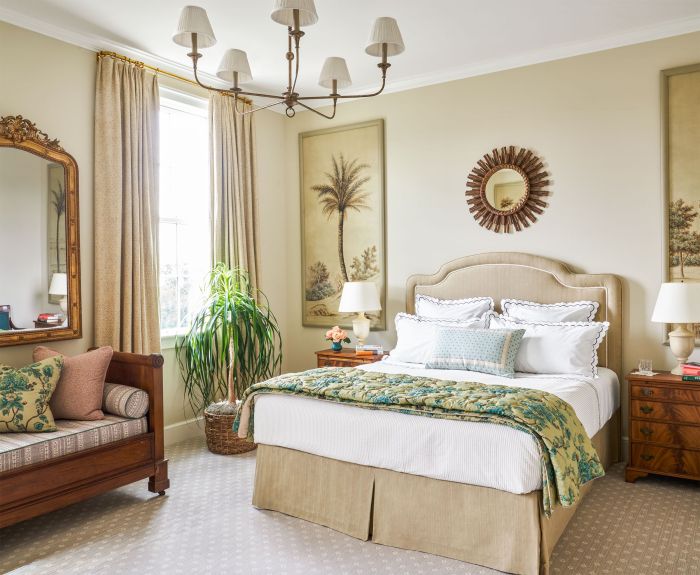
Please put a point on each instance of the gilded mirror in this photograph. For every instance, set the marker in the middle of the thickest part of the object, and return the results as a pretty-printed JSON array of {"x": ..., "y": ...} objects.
[
  {"x": 506, "y": 190},
  {"x": 40, "y": 259}
]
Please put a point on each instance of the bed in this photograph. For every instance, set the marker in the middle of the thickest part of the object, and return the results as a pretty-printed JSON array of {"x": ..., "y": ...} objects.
[{"x": 459, "y": 489}]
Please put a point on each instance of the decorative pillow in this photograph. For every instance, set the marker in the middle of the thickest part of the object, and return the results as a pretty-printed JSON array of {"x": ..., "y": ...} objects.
[
  {"x": 485, "y": 350},
  {"x": 454, "y": 309},
  {"x": 125, "y": 400},
  {"x": 556, "y": 312},
  {"x": 556, "y": 347},
  {"x": 79, "y": 392},
  {"x": 25, "y": 395},
  {"x": 415, "y": 335}
]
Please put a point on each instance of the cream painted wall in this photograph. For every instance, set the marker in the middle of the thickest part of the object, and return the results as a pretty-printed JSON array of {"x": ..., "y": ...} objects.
[
  {"x": 596, "y": 121},
  {"x": 52, "y": 84}
]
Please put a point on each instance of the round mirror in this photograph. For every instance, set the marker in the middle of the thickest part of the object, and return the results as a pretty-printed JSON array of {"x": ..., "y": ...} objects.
[{"x": 505, "y": 189}]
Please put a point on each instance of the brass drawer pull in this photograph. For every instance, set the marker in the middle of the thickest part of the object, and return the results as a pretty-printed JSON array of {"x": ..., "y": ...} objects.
[
  {"x": 647, "y": 392},
  {"x": 646, "y": 457},
  {"x": 646, "y": 409},
  {"x": 646, "y": 431}
]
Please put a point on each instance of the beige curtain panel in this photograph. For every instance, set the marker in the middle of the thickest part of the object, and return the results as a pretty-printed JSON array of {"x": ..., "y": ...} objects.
[
  {"x": 234, "y": 208},
  {"x": 126, "y": 207}
]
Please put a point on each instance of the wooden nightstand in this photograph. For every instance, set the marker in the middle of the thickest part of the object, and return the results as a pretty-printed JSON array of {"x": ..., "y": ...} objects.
[
  {"x": 664, "y": 427},
  {"x": 343, "y": 358}
]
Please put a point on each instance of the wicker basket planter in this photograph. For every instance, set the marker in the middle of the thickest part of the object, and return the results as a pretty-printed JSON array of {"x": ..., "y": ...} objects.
[{"x": 220, "y": 436}]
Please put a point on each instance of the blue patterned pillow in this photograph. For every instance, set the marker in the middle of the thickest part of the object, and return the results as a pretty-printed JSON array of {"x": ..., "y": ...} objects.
[{"x": 485, "y": 350}]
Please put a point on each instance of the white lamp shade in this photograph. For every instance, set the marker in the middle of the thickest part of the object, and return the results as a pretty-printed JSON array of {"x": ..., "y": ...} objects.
[
  {"x": 334, "y": 69},
  {"x": 385, "y": 31},
  {"x": 678, "y": 302},
  {"x": 359, "y": 296},
  {"x": 283, "y": 12},
  {"x": 194, "y": 20},
  {"x": 234, "y": 61},
  {"x": 59, "y": 284}
]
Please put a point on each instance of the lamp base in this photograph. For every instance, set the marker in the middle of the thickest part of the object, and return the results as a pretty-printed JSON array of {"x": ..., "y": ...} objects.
[
  {"x": 360, "y": 327},
  {"x": 682, "y": 342}
]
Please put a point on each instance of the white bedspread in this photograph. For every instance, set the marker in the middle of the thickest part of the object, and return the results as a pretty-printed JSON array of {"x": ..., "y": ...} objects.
[{"x": 476, "y": 453}]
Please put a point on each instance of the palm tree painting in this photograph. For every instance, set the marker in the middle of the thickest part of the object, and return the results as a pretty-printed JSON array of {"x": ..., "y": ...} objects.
[
  {"x": 56, "y": 223},
  {"x": 342, "y": 218}
]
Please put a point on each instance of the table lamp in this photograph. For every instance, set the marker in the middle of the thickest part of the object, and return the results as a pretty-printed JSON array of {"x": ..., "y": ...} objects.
[
  {"x": 360, "y": 297},
  {"x": 679, "y": 303},
  {"x": 59, "y": 286}
]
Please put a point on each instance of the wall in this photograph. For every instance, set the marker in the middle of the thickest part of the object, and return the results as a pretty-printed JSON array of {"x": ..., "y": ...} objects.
[
  {"x": 64, "y": 75},
  {"x": 596, "y": 121}
]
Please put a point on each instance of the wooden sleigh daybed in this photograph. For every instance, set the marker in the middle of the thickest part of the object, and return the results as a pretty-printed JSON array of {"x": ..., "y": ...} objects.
[{"x": 37, "y": 488}]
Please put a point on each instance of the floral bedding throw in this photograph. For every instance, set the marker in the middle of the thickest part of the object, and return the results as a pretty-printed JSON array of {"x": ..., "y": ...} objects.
[{"x": 568, "y": 458}]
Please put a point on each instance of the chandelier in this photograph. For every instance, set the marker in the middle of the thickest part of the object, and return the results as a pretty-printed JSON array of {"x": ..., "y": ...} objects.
[{"x": 194, "y": 31}]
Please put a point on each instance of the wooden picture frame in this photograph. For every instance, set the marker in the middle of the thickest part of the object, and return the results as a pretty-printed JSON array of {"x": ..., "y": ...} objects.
[
  {"x": 351, "y": 247},
  {"x": 680, "y": 92}
]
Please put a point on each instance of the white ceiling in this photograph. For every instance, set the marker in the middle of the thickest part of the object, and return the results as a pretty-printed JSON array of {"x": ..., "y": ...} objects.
[{"x": 445, "y": 39}]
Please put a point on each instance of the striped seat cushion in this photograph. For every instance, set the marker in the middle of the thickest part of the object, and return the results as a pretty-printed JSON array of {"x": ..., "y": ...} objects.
[{"x": 20, "y": 449}]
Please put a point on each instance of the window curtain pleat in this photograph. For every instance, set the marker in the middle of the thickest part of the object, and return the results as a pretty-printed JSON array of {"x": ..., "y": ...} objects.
[
  {"x": 234, "y": 206},
  {"x": 127, "y": 110}
]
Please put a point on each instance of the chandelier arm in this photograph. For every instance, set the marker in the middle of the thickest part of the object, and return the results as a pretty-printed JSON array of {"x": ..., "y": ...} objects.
[
  {"x": 348, "y": 96},
  {"x": 229, "y": 91},
  {"x": 246, "y": 112},
  {"x": 328, "y": 117},
  {"x": 296, "y": 64}
]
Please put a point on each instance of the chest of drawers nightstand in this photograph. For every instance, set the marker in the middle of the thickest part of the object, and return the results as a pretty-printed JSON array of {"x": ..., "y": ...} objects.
[
  {"x": 343, "y": 358},
  {"x": 664, "y": 426}
]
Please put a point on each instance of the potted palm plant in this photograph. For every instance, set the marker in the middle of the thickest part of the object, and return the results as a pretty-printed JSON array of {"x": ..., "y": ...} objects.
[{"x": 234, "y": 342}]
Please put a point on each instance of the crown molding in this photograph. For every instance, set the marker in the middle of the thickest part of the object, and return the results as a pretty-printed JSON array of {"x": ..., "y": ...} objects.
[{"x": 636, "y": 36}]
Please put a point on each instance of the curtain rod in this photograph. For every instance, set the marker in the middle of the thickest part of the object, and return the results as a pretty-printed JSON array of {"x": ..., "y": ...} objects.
[{"x": 115, "y": 56}]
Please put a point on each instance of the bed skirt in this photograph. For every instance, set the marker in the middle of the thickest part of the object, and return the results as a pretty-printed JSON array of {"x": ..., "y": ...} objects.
[{"x": 479, "y": 525}]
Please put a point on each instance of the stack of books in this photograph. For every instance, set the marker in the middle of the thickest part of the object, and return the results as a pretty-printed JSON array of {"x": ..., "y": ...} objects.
[
  {"x": 52, "y": 318},
  {"x": 691, "y": 371},
  {"x": 368, "y": 349}
]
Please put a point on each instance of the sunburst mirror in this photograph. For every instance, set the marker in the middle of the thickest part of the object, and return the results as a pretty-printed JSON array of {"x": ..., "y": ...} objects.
[{"x": 506, "y": 189}]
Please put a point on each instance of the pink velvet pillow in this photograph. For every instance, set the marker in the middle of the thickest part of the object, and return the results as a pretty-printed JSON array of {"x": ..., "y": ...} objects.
[{"x": 78, "y": 394}]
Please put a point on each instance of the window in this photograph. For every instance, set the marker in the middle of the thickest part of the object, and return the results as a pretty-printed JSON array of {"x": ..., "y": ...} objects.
[{"x": 185, "y": 241}]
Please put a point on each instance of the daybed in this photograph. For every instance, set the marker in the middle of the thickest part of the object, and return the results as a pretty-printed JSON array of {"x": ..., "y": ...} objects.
[{"x": 41, "y": 472}]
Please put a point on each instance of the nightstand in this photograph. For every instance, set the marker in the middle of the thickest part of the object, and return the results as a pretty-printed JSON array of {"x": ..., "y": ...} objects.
[
  {"x": 664, "y": 426},
  {"x": 343, "y": 358}
]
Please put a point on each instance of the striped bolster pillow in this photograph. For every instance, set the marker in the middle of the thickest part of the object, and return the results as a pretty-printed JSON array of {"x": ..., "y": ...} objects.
[{"x": 125, "y": 400}]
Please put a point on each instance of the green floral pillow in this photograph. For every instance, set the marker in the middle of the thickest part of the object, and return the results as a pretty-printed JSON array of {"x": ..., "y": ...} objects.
[{"x": 25, "y": 395}]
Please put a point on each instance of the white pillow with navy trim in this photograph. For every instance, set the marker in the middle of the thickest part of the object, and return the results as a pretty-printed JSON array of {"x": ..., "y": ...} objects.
[
  {"x": 415, "y": 336},
  {"x": 556, "y": 347},
  {"x": 552, "y": 312},
  {"x": 453, "y": 309}
]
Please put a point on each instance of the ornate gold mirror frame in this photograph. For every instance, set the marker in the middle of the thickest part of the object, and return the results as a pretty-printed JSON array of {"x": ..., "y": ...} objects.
[
  {"x": 18, "y": 132},
  {"x": 528, "y": 203}
]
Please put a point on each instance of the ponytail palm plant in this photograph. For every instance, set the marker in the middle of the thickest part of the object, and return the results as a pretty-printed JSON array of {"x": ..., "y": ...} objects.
[{"x": 234, "y": 342}]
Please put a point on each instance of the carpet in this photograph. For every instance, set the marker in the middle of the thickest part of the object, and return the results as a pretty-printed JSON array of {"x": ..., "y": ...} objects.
[{"x": 206, "y": 524}]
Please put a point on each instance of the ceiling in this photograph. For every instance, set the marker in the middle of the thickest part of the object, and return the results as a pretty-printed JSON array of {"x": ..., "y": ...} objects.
[{"x": 445, "y": 39}]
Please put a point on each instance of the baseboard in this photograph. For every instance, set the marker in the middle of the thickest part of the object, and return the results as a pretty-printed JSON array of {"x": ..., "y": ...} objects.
[{"x": 177, "y": 432}]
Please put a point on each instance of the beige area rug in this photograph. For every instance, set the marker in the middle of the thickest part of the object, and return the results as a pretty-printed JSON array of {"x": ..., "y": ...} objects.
[{"x": 206, "y": 524}]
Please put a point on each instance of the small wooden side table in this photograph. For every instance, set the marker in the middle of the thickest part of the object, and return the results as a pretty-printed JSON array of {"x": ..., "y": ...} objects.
[
  {"x": 343, "y": 358},
  {"x": 664, "y": 426}
]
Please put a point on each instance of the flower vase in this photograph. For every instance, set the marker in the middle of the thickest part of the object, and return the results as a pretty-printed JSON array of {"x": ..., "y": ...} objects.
[{"x": 337, "y": 346}]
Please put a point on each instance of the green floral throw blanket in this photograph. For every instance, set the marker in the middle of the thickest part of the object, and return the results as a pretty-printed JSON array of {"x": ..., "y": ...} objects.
[{"x": 567, "y": 456}]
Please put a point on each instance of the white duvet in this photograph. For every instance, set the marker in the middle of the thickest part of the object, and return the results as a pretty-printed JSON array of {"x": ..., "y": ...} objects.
[{"x": 476, "y": 453}]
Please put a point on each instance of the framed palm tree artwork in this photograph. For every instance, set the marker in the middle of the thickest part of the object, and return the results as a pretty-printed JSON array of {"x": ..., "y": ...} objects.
[
  {"x": 342, "y": 219},
  {"x": 56, "y": 225}
]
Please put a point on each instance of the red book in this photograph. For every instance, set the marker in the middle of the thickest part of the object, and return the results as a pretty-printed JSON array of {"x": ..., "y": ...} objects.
[{"x": 691, "y": 370}]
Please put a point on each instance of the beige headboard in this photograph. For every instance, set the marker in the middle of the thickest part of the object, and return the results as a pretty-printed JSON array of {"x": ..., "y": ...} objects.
[{"x": 532, "y": 278}]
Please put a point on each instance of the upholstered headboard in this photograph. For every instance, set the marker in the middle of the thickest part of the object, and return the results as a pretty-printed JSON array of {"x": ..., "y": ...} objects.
[{"x": 532, "y": 278}]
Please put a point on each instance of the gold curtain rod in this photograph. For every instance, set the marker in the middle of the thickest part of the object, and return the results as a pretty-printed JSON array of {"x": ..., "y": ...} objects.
[{"x": 115, "y": 56}]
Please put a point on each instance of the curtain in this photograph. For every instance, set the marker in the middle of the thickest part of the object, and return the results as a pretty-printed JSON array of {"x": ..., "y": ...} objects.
[
  {"x": 233, "y": 185},
  {"x": 126, "y": 207}
]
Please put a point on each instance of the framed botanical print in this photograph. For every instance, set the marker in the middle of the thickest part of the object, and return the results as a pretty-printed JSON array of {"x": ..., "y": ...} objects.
[
  {"x": 681, "y": 109},
  {"x": 342, "y": 219}
]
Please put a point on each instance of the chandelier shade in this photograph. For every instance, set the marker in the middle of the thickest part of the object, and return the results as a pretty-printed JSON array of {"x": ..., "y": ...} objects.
[
  {"x": 335, "y": 68},
  {"x": 194, "y": 20},
  {"x": 385, "y": 31},
  {"x": 283, "y": 12},
  {"x": 234, "y": 61}
]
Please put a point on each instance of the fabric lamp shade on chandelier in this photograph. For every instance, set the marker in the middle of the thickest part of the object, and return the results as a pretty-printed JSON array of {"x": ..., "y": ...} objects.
[{"x": 194, "y": 31}]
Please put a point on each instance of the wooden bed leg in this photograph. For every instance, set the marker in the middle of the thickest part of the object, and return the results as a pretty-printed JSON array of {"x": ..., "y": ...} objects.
[
  {"x": 159, "y": 482},
  {"x": 631, "y": 475}
]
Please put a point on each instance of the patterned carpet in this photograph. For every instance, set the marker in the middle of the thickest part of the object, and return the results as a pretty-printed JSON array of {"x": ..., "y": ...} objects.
[{"x": 207, "y": 525}]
